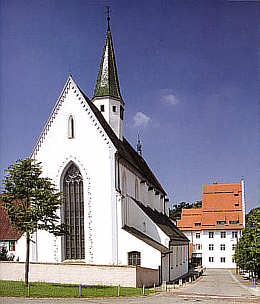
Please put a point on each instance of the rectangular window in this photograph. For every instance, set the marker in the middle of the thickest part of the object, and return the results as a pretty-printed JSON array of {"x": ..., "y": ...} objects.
[
  {"x": 121, "y": 112},
  {"x": 222, "y": 247},
  {"x": 223, "y": 234},
  {"x": 211, "y": 259},
  {"x": 197, "y": 224},
  {"x": 222, "y": 260},
  {"x": 234, "y": 222},
  {"x": 114, "y": 108},
  {"x": 233, "y": 246},
  {"x": 234, "y": 234},
  {"x": 198, "y": 246},
  {"x": 221, "y": 222},
  {"x": 11, "y": 245},
  {"x": 211, "y": 246},
  {"x": 211, "y": 234},
  {"x": 197, "y": 235},
  {"x": 102, "y": 108},
  {"x": 134, "y": 258},
  {"x": 71, "y": 127}
]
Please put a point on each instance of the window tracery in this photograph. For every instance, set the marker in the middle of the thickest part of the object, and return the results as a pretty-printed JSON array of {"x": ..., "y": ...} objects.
[{"x": 73, "y": 213}]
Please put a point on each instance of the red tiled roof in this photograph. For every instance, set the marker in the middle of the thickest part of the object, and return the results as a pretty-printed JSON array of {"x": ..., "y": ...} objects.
[
  {"x": 7, "y": 233},
  {"x": 222, "y": 197},
  {"x": 188, "y": 219},
  {"x": 220, "y": 203}
]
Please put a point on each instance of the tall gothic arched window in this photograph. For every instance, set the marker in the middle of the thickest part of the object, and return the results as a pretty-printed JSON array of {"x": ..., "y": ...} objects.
[{"x": 73, "y": 214}]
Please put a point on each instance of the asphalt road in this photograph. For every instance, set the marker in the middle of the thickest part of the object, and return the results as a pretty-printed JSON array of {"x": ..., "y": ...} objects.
[{"x": 215, "y": 286}]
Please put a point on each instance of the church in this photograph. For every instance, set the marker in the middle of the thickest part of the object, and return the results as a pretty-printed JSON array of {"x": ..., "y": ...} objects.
[{"x": 116, "y": 208}]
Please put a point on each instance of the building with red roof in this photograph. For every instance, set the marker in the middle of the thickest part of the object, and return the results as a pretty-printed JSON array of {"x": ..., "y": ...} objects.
[
  {"x": 214, "y": 228},
  {"x": 8, "y": 235}
]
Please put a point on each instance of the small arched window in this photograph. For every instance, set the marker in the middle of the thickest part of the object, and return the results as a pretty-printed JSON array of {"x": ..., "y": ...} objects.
[
  {"x": 134, "y": 258},
  {"x": 71, "y": 127}
]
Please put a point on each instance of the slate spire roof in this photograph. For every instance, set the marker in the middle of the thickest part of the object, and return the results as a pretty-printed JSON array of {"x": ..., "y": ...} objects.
[{"x": 107, "y": 81}]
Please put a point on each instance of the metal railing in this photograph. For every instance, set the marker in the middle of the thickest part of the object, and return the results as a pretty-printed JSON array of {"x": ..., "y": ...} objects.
[{"x": 39, "y": 289}]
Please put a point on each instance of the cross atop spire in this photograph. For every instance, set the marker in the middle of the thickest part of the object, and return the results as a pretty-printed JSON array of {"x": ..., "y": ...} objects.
[{"x": 107, "y": 84}]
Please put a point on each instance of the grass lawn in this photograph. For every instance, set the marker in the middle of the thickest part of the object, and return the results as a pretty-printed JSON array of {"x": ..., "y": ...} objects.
[{"x": 37, "y": 289}]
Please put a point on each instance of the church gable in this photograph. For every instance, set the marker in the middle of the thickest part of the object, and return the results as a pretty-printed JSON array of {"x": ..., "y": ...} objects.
[
  {"x": 75, "y": 133},
  {"x": 71, "y": 104}
]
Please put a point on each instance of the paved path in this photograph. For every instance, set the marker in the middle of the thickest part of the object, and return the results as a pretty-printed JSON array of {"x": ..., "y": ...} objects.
[
  {"x": 216, "y": 286},
  {"x": 220, "y": 282}
]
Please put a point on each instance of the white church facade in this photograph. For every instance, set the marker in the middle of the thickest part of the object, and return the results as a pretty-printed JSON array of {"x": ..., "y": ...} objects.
[{"x": 116, "y": 208}]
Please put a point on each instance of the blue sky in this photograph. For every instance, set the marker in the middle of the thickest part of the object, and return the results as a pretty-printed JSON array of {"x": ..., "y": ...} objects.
[{"x": 187, "y": 72}]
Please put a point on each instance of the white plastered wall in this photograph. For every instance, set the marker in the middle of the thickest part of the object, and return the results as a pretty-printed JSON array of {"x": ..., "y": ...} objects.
[
  {"x": 147, "y": 197},
  {"x": 217, "y": 253},
  {"x": 150, "y": 257},
  {"x": 216, "y": 241},
  {"x": 93, "y": 153},
  {"x": 130, "y": 214},
  {"x": 139, "y": 220},
  {"x": 112, "y": 118}
]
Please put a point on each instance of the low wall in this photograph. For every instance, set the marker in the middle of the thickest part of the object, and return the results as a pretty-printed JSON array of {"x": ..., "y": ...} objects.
[
  {"x": 128, "y": 276},
  {"x": 147, "y": 277}
]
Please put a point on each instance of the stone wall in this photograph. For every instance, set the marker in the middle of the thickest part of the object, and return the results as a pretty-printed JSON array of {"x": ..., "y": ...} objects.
[{"x": 128, "y": 276}]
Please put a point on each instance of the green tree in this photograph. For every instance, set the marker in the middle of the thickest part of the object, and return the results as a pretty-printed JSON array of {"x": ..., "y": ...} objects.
[
  {"x": 197, "y": 204},
  {"x": 247, "y": 252},
  {"x": 31, "y": 202}
]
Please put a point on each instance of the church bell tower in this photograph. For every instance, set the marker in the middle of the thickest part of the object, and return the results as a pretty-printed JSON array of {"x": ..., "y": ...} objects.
[{"x": 107, "y": 97}]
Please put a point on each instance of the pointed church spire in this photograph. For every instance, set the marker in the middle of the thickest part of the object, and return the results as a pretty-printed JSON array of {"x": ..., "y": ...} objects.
[
  {"x": 108, "y": 18},
  {"x": 107, "y": 81}
]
